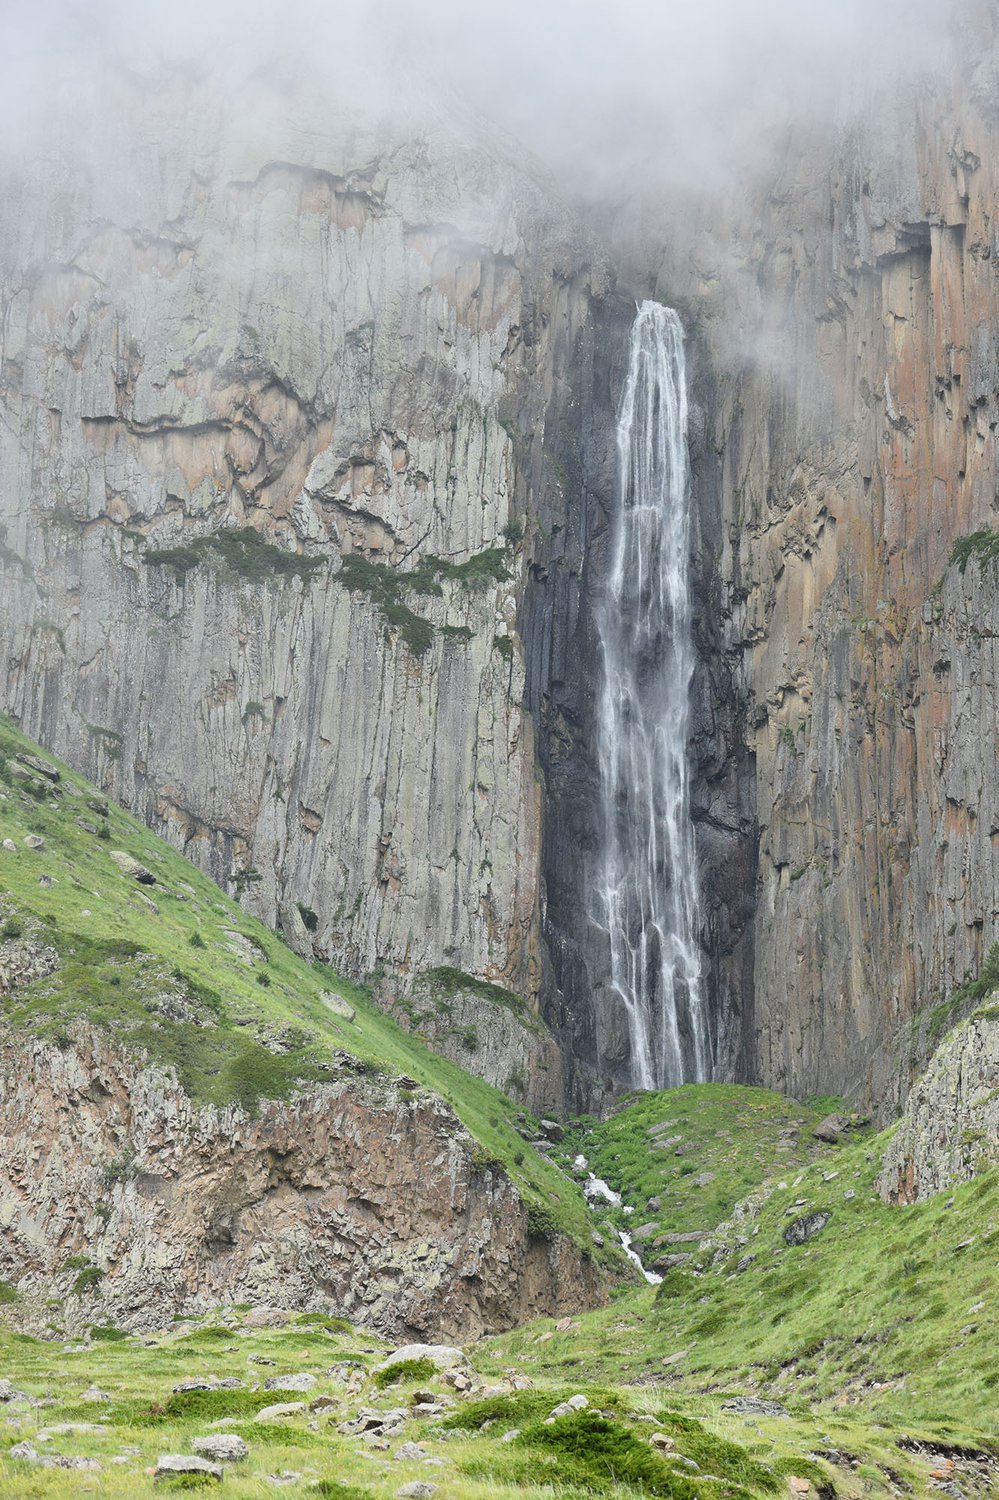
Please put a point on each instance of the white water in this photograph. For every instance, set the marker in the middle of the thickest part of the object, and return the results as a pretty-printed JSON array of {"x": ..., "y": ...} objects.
[
  {"x": 651, "y": 1276},
  {"x": 647, "y": 879},
  {"x": 595, "y": 1188}
]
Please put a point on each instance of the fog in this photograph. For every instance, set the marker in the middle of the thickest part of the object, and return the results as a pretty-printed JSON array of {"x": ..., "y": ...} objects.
[{"x": 611, "y": 97}]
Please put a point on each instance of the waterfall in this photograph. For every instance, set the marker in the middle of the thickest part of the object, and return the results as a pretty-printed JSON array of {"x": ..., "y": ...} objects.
[{"x": 647, "y": 878}]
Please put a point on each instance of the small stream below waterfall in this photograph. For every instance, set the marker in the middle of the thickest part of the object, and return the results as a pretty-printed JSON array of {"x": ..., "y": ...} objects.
[{"x": 595, "y": 1191}]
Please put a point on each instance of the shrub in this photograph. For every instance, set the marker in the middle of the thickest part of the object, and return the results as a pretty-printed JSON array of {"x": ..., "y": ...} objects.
[{"x": 405, "y": 1372}]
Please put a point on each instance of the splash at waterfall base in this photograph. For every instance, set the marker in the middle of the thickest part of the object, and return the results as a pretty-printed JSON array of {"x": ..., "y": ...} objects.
[{"x": 645, "y": 888}]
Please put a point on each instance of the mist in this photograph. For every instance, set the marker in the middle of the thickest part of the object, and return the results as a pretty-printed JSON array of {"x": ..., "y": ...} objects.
[{"x": 611, "y": 99}]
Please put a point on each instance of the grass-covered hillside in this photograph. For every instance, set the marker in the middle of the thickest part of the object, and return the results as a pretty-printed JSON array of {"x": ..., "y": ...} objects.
[
  {"x": 177, "y": 970},
  {"x": 818, "y": 1373}
]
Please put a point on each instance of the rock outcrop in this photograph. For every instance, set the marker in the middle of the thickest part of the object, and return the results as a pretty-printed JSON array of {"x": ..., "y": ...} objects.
[
  {"x": 949, "y": 1132},
  {"x": 131, "y": 1203}
]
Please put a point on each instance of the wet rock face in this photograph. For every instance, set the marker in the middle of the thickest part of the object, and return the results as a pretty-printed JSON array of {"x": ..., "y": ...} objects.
[
  {"x": 357, "y": 348},
  {"x": 842, "y": 308},
  {"x": 359, "y": 1203}
]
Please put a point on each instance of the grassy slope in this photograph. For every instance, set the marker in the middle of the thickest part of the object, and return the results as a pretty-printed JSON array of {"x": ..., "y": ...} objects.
[
  {"x": 885, "y": 1322},
  {"x": 117, "y": 956},
  {"x": 140, "y": 1419},
  {"x": 738, "y": 1135}
]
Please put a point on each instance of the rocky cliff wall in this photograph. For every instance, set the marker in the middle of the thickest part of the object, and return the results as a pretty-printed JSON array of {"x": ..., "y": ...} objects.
[
  {"x": 843, "y": 310},
  {"x": 328, "y": 343},
  {"x": 348, "y": 1199},
  {"x": 949, "y": 1132}
]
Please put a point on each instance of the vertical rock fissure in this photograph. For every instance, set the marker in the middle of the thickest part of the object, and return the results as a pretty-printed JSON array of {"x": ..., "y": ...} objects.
[{"x": 646, "y": 888}]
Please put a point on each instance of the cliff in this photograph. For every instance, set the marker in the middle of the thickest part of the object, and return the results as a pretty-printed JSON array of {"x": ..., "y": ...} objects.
[
  {"x": 276, "y": 415},
  {"x": 308, "y": 461},
  {"x": 842, "y": 308},
  {"x": 190, "y": 1115}
]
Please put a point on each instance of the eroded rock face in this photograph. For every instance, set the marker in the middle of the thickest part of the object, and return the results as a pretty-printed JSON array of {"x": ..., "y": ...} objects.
[
  {"x": 360, "y": 347},
  {"x": 949, "y": 1132},
  {"x": 347, "y": 1199}
]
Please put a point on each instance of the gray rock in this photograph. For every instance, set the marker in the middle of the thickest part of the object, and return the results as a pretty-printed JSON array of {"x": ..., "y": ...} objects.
[
  {"x": 169, "y": 1464},
  {"x": 131, "y": 867},
  {"x": 553, "y": 1130},
  {"x": 417, "y": 1489},
  {"x": 570, "y": 1407},
  {"x": 806, "y": 1228},
  {"x": 34, "y": 841},
  {"x": 668, "y": 1262},
  {"x": 301, "y": 1382},
  {"x": 338, "y": 1005},
  {"x": 278, "y": 1410},
  {"x": 10, "y": 846},
  {"x": 222, "y": 1447},
  {"x": 409, "y": 1453},
  {"x": 831, "y": 1130},
  {"x": 753, "y": 1406},
  {"x": 34, "y": 763}
]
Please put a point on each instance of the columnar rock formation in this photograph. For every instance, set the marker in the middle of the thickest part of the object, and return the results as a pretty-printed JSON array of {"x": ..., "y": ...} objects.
[
  {"x": 356, "y": 348},
  {"x": 403, "y": 354}
]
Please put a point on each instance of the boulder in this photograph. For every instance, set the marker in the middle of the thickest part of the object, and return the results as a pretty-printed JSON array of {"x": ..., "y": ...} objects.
[
  {"x": 221, "y": 1447},
  {"x": 302, "y": 1382},
  {"x": 338, "y": 1005},
  {"x": 409, "y": 1453},
  {"x": 131, "y": 867},
  {"x": 801, "y": 1230},
  {"x": 754, "y": 1406},
  {"x": 831, "y": 1130},
  {"x": 34, "y": 841},
  {"x": 42, "y": 767},
  {"x": 417, "y": 1489},
  {"x": 280, "y": 1409},
  {"x": 169, "y": 1464}
]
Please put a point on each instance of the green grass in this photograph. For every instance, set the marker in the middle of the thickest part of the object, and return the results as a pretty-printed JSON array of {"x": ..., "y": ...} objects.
[
  {"x": 604, "y": 1450},
  {"x": 245, "y": 552},
  {"x": 118, "y": 958},
  {"x": 867, "y": 1336},
  {"x": 739, "y": 1135},
  {"x": 388, "y": 586},
  {"x": 887, "y": 1307},
  {"x": 982, "y": 545}
]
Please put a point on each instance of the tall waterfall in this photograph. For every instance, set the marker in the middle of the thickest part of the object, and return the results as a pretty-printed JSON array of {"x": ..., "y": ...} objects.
[{"x": 647, "y": 878}]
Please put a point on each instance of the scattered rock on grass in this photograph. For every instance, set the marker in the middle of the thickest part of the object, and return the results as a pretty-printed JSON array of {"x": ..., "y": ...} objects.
[{"x": 418, "y": 1489}]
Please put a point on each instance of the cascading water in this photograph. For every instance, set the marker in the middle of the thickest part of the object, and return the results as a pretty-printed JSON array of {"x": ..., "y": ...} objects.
[{"x": 647, "y": 877}]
